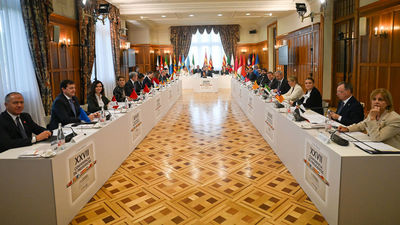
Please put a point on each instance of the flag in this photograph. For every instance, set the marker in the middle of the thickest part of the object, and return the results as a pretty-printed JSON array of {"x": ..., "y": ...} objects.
[
  {"x": 255, "y": 85},
  {"x": 268, "y": 89},
  {"x": 232, "y": 62},
  {"x": 224, "y": 61},
  {"x": 166, "y": 65},
  {"x": 243, "y": 72},
  {"x": 158, "y": 64},
  {"x": 175, "y": 66},
  {"x": 239, "y": 66},
  {"x": 257, "y": 63},
  {"x": 188, "y": 63},
  {"x": 83, "y": 116},
  {"x": 253, "y": 60},
  {"x": 249, "y": 61},
  {"x": 228, "y": 60},
  {"x": 210, "y": 64},
  {"x": 279, "y": 97},
  {"x": 179, "y": 63},
  {"x": 171, "y": 67},
  {"x": 146, "y": 89},
  {"x": 155, "y": 80},
  {"x": 193, "y": 60},
  {"x": 114, "y": 100},
  {"x": 133, "y": 95},
  {"x": 236, "y": 65},
  {"x": 205, "y": 60}
]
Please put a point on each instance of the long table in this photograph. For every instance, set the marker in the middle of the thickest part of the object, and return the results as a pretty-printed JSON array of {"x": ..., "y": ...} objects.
[
  {"x": 346, "y": 184},
  {"x": 53, "y": 190},
  {"x": 209, "y": 84}
]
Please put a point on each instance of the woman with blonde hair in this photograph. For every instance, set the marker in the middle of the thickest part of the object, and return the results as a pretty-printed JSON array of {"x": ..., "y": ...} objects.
[
  {"x": 382, "y": 123},
  {"x": 295, "y": 92}
]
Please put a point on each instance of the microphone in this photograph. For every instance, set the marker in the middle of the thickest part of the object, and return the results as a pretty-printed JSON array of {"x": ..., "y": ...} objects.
[
  {"x": 339, "y": 140},
  {"x": 69, "y": 137}
]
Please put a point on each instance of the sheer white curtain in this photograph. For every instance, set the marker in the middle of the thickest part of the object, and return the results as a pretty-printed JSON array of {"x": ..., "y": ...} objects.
[
  {"x": 210, "y": 43},
  {"x": 104, "y": 60},
  {"x": 16, "y": 66}
]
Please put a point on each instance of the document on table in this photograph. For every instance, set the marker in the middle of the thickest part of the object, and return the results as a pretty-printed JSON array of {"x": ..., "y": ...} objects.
[
  {"x": 314, "y": 118},
  {"x": 355, "y": 136},
  {"x": 377, "y": 147}
]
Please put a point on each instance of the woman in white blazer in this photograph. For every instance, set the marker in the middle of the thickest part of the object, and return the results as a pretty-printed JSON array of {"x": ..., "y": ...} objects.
[{"x": 295, "y": 92}]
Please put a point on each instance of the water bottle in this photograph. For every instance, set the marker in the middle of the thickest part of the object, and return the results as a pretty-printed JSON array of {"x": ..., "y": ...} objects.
[
  {"x": 126, "y": 103},
  {"x": 328, "y": 124},
  {"x": 60, "y": 138},
  {"x": 102, "y": 115}
]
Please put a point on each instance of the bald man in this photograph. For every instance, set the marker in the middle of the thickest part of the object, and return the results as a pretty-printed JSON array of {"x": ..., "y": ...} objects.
[{"x": 16, "y": 127}]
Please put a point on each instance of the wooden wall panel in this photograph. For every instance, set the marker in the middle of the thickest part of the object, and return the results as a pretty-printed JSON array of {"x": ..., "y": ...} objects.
[
  {"x": 146, "y": 57},
  {"x": 260, "y": 48},
  {"x": 379, "y": 56},
  {"x": 64, "y": 60},
  {"x": 300, "y": 58}
]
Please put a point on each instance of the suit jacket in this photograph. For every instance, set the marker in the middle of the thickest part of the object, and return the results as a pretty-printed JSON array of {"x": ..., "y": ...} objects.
[
  {"x": 262, "y": 80},
  {"x": 294, "y": 93},
  {"x": 10, "y": 137},
  {"x": 252, "y": 76},
  {"x": 352, "y": 112},
  {"x": 129, "y": 86},
  {"x": 386, "y": 129},
  {"x": 314, "y": 102},
  {"x": 210, "y": 73},
  {"x": 148, "y": 82},
  {"x": 93, "y": 104},
  {"x": 119, "y": 93},
  {"x": 283, "y": 88},
  {"x": 163, "y": 79},
  {"x": 61, "y": 112},
  {"x": 272, "y": 83},
  {"x": 138, "y": 87},
  {"x": 197, "y": 71}
]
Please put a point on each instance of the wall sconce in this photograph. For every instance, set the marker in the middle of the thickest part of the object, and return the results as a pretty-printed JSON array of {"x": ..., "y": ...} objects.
[
  {"x": 382, "y": 32},
  {"x": 243, "y": 50},
  {"x": 127, "y": 45},
  {"x": 68, "y": 42},
  {"x": 265, "y": 49},
  {"x": 137, "y": 51},
  {"x": 166, "y": 51},
  {"x": 151, "y": 51},
  {"x": 65, "y": 43}
]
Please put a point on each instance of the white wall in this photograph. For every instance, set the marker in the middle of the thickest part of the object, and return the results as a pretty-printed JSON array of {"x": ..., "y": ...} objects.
[
  {"x": 65, "y": 8},
  {"x": 138, "y": 34},
  {"x": 160, "y": 36},
  {"x": 245, "y": 37},
  {"x": 293, "y": 22},
  {"x": 366, "y": 2}
]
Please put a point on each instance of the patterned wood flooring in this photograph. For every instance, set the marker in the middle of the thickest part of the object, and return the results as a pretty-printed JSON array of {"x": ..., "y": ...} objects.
[{"x": 204, "y": 163}]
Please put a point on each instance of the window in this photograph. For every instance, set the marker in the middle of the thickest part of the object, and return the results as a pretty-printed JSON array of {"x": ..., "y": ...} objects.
[
  {"x": 209, "y": 44},
  {"x": 16, "y": 71}
]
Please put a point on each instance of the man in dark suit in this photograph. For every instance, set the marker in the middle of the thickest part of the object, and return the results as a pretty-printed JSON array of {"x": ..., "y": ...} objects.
[
  {"x": 163, "y": 76},
  {"x": 66, "y": 108},
  {"x": 148, "y": 78},
  {"x": 197, "y": 70},
  {"x": 119, "y": 90},
  {"x": 16, "y": 127},
  {"x": 271, "y": 79},
  {"x": 139, "y": 84},
  {"x": 263, "y": 78},
  {"x": 251, "y": 75},
  {"x": 281, "y": 85},
  {"x": 349, "y": 110},
  {"x": 130, "y": 85}
]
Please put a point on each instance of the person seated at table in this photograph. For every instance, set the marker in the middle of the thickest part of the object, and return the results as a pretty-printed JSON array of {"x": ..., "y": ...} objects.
[
  {"x": 139, "y": 85},
  {"x": 206, "y": 73},
  {"x": 130, "y": 85},
  {"x": 349, "y": 110},
  {"x": 295, "y": 92},
  {"x": 281, "y": 85},
  {"x": 148, "y": 78},
  {"x": 224, "y": 71},
  {"x": 184, "y": 71},
  {"x": 66, "y": 108},
  {"x": 197, "y": 70},
  {"x": 312, "y": 99},
  {"x": 251, "y": 75},
  {"x": 96, "y": 99},
  {"x": 156, "y": 78},
  {"x": 16, "y": 127},
  {"x": 163, "y": 76},
  {"x": 119, "y": 90},
  {"x": 382, "y": 123},
  {"x": 271, "y": 79},
  {"x": 263, "y": 78}
]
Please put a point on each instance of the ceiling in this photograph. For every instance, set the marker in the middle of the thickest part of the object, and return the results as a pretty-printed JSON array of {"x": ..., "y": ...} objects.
[{"x": 202, "y": 12}]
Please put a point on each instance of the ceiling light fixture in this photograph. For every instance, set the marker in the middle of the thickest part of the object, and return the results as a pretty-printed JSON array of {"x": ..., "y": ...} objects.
[
  {"x": 248, "y": 14},
  {"x": 268, "y": 14},
  {"x": 163, "y": 16},
  {"x": 219, "y": 14},
  {"x": 191, "y": 15}
]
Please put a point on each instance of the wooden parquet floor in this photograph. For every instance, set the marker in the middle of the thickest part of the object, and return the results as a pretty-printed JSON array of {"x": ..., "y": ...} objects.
[{"x": 204, "y": 163}]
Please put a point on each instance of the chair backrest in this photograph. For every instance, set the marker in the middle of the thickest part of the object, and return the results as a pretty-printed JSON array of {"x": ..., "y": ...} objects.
[{"x": 84, "y": 107}]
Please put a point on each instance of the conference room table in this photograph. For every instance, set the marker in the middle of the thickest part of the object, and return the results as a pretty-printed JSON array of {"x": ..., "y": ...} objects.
[
  {"x": 346, "y": 184},
  {"x": 209, "y": 84},
  {"x": 53, "y": 190}
]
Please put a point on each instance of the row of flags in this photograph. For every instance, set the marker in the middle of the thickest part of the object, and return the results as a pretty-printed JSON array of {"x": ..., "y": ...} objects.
[{"x": 173, "y": 66}]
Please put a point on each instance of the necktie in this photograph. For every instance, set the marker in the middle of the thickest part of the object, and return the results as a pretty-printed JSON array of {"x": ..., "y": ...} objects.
[
  {"x": 21, "y": 128},
  {"x": 71, "y": 103},
  {"x": 340, "y": 107}
]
